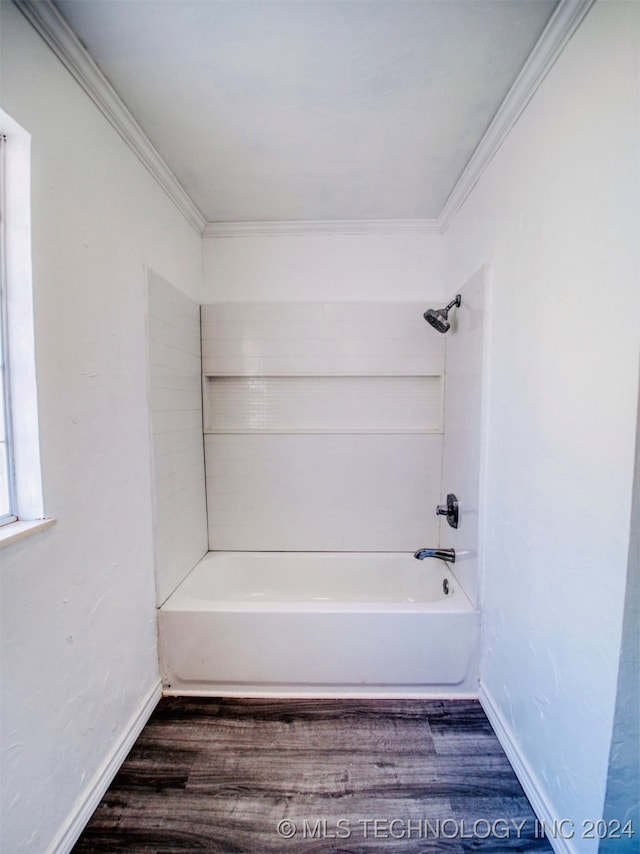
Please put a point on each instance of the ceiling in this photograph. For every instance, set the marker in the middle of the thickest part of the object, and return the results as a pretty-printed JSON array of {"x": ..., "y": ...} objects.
[{"x": 270, "y": 110}]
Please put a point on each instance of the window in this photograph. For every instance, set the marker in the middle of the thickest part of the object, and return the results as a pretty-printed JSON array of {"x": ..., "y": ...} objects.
[
  {"x": 21, "y": 504},
  {"x": 7, "y": 494}
]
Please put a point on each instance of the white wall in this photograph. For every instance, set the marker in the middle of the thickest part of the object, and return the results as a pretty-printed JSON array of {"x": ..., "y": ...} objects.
[
  {"x": 175, "y": 396},
  {"x": 556, "y": 213},
  {"x": 79, "y": 657},
  {"x": 322, "y": 267}
]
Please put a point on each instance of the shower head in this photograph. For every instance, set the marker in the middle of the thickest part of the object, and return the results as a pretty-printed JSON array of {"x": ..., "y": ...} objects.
[{"x": 438, "y": 317}]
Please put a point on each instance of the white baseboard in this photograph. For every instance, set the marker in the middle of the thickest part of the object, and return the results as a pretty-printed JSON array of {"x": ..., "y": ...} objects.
[
  {"x": 524, "y": 772},
  {"x": 74, "y": 825}
]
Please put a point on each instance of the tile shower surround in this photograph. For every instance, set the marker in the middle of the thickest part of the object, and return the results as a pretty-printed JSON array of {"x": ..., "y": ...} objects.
[
  {"x": 300, "y": 452},
  {"x": 175, "y": 397}
]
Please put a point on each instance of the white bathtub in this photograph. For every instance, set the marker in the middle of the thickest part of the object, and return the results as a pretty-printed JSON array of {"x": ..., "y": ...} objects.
[{"x": 316, "y": 623}]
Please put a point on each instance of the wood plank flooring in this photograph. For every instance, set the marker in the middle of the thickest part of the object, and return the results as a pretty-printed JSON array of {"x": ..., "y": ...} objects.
[{"x": 259, "y": 776}]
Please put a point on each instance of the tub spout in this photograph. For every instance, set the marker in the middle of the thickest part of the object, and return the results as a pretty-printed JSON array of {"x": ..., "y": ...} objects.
[{"x": 443, "y": 554}]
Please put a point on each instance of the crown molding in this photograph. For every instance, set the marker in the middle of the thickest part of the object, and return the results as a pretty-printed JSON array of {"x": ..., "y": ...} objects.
[
  {"x": 292, "y": 228},
  {"x": 49, "y": 23},
  {"x": 562, "y": 25}
]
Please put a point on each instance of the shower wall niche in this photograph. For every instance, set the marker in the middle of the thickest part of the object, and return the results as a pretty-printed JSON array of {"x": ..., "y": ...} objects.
[{"x": 323, "y": 426}]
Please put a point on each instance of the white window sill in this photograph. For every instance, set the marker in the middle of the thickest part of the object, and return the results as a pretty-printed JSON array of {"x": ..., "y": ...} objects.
[{"x": 15, "y": 531}]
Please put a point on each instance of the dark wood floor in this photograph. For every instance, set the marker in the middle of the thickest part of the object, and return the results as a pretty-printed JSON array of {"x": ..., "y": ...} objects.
[{"x": 224, "y": 775}]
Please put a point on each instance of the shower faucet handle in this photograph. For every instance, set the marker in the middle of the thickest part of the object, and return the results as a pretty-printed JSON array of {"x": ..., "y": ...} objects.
[{"x": 450, "y": 510}]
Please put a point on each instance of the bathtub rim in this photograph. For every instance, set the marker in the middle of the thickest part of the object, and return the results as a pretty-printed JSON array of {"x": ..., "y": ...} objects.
[{"x": 456, "y": 602}]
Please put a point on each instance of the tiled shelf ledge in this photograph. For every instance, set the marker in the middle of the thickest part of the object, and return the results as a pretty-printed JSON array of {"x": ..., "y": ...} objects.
[
  {"x": 255, "y": 372},
  {"x": 316, "y": 431},
  {"x": 15, "y": 531}
]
